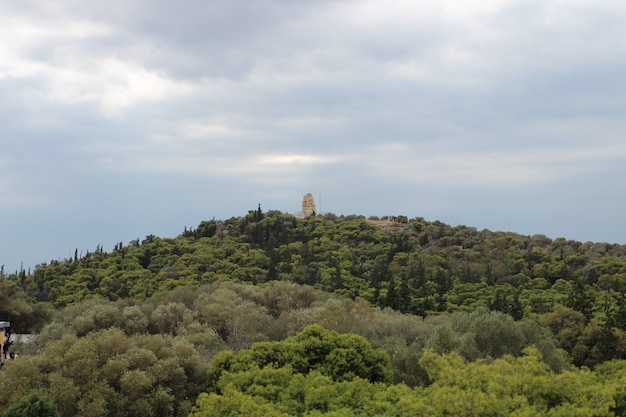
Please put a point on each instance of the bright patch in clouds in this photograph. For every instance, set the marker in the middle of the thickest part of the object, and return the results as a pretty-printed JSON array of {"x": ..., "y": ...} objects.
[
  {"x": 297, "y": 159},
  {"x": 111, "y": 84},
  {"x": 194, "y": 130}
]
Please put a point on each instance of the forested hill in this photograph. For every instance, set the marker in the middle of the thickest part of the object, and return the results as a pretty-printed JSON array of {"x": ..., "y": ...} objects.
[
  {"x": 460, "y": 322},
  {"x": 410, "y": 265}
]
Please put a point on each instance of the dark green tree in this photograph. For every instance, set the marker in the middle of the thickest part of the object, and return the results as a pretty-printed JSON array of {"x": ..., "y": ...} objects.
[
  {"x": 581, "y": 298},
  {"x": 32, "y": 405},
  {"x": 516, "y": 310},
  {"x": 392, "y": 299}
]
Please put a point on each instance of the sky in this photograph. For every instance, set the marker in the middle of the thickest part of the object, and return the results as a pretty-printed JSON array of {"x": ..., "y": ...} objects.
[{"x": 125, "y": 118}]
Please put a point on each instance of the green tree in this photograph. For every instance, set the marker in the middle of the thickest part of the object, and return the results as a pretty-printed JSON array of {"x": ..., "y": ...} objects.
[
  {"x": 340, "y": 357},
  {"x": 581, "y": 298},
  {"x": 32, "y": 405},
  {"x": 109, "y": 373}
]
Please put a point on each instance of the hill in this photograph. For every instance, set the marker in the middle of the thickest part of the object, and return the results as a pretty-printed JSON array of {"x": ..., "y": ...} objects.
[
  {"x": 410, "y": 265},
  {"x": 406, "y": 285}
]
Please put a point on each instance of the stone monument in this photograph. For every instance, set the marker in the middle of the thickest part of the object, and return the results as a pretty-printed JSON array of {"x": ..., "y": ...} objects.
[{"x": 308, "y": 205}]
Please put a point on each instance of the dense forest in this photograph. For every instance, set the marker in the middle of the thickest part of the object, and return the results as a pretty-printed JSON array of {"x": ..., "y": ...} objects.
[{"x": 270, "y": 314}]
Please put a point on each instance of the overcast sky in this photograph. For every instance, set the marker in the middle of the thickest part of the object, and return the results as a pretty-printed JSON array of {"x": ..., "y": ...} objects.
[{"x": 124, "y": 118}]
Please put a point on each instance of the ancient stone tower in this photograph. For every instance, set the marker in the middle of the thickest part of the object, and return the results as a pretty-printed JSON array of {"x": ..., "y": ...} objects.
[{"x": 308, "y": 205}]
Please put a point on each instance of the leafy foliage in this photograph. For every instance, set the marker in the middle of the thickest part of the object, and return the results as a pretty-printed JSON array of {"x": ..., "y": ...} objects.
[
  {"x": 341, "y": 357},
  {"x": 32, "y": 405},
  {"x": 523, "y": 386},
  {"x": 19, "y": 310},
  {"x": 107, "y": 373}
]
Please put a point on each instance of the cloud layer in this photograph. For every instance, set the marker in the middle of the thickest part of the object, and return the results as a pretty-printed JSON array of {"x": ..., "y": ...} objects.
[{"x": 120, "y": 119}]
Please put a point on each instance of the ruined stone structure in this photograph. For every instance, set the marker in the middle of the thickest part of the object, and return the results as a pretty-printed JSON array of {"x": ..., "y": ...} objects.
[{"x": 308, "y": 205}]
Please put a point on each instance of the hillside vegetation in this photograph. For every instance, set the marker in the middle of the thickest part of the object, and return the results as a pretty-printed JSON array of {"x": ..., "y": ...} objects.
[{"x": 135, "y": 330}]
